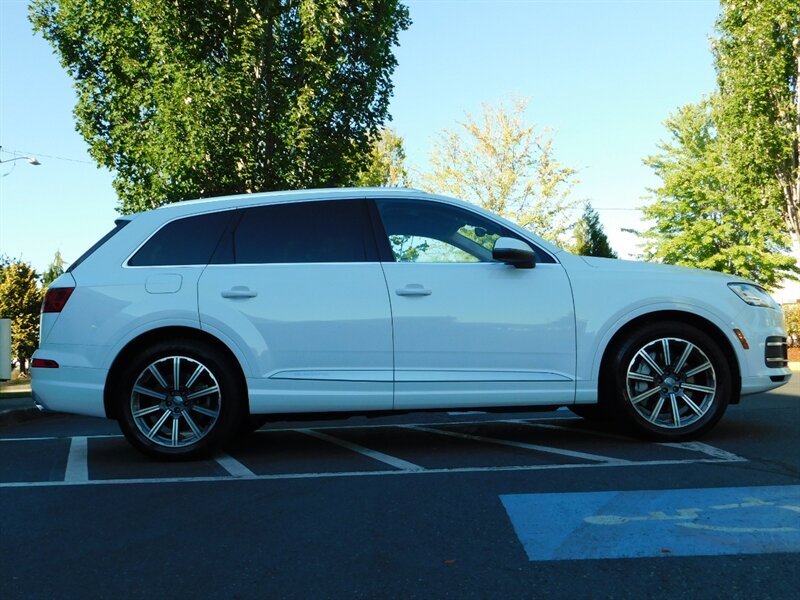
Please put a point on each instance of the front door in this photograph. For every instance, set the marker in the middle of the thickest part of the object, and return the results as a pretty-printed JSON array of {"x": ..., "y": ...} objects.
[{"x": 469, "y": 331}]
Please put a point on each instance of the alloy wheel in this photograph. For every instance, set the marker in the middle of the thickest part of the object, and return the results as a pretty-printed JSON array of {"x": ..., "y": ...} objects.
[
  {"x": 671, "y": 383},
  {"x": 175, "y": 401}
]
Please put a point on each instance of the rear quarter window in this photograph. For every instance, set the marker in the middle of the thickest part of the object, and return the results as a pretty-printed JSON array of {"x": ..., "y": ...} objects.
[
  {"x": 186, "y": 241},
  {"x": 118, "y": 225}
]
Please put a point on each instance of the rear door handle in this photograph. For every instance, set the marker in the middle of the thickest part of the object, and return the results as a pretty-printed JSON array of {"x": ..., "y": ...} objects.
[
  {"x": 413, "y": 289},
  {"x": 239, "y": 291}
]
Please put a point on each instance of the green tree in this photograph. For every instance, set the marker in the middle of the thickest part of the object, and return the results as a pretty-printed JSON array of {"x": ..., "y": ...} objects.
[
  {"x": 504, "y": 165},
  {"x": 20, "y": 301},
  {"x": 702, "y": 217},
  {"x": 590, "y": 239},
  {"x": 758, "y": 114},
  {"x": 386, "y": 166},
  {"x": 54, "y": 270},
  {"x": 204, "y": 98}
]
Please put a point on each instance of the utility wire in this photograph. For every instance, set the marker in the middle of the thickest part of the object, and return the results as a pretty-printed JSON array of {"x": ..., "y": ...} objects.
[{"x": 21, "y": 153}]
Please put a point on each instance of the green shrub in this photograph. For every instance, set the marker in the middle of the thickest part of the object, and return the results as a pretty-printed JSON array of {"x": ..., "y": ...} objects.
[{"x": 792, "y": 312}]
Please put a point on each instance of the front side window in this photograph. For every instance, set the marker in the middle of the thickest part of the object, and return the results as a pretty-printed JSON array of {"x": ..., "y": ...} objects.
[
  {"x": 186, "y": 241},
  {"x": 305, "y": 232},
  {"x": 421, "y": 231}
]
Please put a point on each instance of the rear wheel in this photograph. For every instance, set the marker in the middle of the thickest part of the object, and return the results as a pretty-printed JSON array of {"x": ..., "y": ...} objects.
[
  {"x": 179, "y": 400},
  {"x": 672, "y": 381}
]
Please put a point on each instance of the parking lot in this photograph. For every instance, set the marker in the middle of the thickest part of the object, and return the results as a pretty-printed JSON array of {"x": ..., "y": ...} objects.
[{"x": 456, "y": 505}]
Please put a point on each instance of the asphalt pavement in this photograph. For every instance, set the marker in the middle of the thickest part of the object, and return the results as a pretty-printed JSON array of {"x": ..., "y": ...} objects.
[{"x": 467, "y": 505}]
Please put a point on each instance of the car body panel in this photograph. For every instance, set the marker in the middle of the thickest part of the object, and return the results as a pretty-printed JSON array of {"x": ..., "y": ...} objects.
[
  {"x": 488, "y": 324},
  {"x": 329, "y": 341},
  {"x": 307, "y": 323}
]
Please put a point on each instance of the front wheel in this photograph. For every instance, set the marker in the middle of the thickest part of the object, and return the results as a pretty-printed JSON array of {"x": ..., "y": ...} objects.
[
  {"x": 179, "y": 400},
  {"x": 672, "y": 381}
]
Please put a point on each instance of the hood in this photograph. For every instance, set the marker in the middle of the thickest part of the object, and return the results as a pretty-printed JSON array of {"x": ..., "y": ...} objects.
[{"x": 646, "y": 268}]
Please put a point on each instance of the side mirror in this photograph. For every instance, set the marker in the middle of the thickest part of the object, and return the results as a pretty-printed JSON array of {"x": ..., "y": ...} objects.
[{"x": 514, "y": 252}]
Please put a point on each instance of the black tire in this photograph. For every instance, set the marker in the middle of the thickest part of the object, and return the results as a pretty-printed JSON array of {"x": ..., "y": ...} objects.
[
  {"x": 687, "y": 398},
  {"x": 253, "y": 423},
  {"x": 591, "y": 412},
  {"x": 186, "y": 421}
]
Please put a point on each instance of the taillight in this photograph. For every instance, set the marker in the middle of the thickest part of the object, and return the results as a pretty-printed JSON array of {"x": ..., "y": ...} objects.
[
  {"x": 44, "y": 363},
  {"x": 56, "y": 298}
]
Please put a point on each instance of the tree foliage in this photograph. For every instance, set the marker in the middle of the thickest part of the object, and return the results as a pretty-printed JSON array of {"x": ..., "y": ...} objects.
[
  {"x": 204, "y": 98},
  {"x": 758, "y": 114},
  {"x": 590, "y": 239},
  {"x": 20, "y": 301},
  {"x": 503, "y": 164},
  {"x": 386, "y": 165},
  {"x": 54, "y": 270},
  {"x": 702, "y": 216}
]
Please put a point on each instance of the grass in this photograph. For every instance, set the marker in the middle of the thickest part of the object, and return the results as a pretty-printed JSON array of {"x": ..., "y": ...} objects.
[{"x": 17, "y": 385}]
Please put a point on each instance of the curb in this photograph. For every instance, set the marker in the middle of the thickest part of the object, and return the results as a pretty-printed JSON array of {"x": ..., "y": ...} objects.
[{"x": 15, "y": 394}]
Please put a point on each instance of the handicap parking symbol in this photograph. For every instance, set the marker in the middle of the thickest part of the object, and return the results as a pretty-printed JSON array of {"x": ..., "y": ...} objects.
[{"x": 649, "y": 523}]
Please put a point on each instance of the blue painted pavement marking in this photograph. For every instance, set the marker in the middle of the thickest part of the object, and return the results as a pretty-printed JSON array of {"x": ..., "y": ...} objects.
[{"x": 687, "y": 522}]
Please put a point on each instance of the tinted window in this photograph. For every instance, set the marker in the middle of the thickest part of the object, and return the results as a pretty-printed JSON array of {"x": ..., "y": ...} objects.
[
  {"x": 118, "y": 224},
  {"x": 304, "y": 232},
  {"x": 188, "y": 241},
  {"x": 420, "y": 231}
]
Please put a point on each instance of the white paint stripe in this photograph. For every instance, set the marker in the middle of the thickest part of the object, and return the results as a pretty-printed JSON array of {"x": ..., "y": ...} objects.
[
  {"x": 612, "y": 436},
  {"x": 551, "y": 467},
  {"x": 233, "y": 466},
  {"x": 712, "y": 451},
  {"x": 319, "y": 428},
  {"x": 57, "y": 437},
  {"x": 77, "y": 462},
  {"x": 398, "y": 463},
  {"x": 513, "y": 444}
]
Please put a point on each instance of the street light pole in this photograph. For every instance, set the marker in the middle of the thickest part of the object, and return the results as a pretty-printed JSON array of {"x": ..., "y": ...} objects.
[{"x": 31, "y": 159}]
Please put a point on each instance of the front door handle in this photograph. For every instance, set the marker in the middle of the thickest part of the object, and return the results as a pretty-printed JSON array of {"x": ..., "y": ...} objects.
[
  {"x": 239, "y": 291},
  {"x": 413, "y": 289}
]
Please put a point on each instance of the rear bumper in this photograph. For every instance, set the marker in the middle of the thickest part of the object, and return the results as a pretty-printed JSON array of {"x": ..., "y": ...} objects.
[{"x": 77, "y": 390}]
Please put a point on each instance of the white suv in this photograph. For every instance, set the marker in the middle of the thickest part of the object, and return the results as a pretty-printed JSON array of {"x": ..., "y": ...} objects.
[{"x": 189, "y": 322}]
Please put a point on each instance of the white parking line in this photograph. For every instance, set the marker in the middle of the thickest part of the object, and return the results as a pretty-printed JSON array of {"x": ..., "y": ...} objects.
[
  {"x": 712, "y": 451},
  {"x": 77, "y": 470},
  {"x": 281, "y": 476},
  {"x": 56, "y": 437},
  {"x": 233, "y": 466},
  {"x": 393, "y": 461},
  {"x": 612, "y": 436},
  {"x": 513, "y": 444},
  {"x": 317, "y": 428}
]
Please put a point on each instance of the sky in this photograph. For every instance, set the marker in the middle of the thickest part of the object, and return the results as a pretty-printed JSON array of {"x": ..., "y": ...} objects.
[{"x": 603, "y": 75}]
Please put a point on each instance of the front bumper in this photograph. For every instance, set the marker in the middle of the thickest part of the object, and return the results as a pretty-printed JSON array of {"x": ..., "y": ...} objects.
[{"x": 761, "y": 327}]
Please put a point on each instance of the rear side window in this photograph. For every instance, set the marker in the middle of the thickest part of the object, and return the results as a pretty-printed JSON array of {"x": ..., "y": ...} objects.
[
  {"x": 305, "y": 232},
  {"x": 187, "y": 241},
  {"x": 118, "y": 224}
]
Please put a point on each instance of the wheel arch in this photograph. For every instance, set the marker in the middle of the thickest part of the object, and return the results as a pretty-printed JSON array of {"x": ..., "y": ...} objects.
[
  {"x": 151, "y": 336},
  {"x": 701, "y": 323}
]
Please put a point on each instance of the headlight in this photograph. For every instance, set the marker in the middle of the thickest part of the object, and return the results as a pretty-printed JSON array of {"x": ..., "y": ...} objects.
[{"x": 753, "y": 295}]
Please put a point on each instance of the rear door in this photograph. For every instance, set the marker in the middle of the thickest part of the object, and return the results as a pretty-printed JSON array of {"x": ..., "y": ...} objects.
[{"x": 298, "y": 289}]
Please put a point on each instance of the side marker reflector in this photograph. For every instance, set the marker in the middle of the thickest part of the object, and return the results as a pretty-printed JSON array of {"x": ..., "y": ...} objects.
[{"x": 742, "y": 339}]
